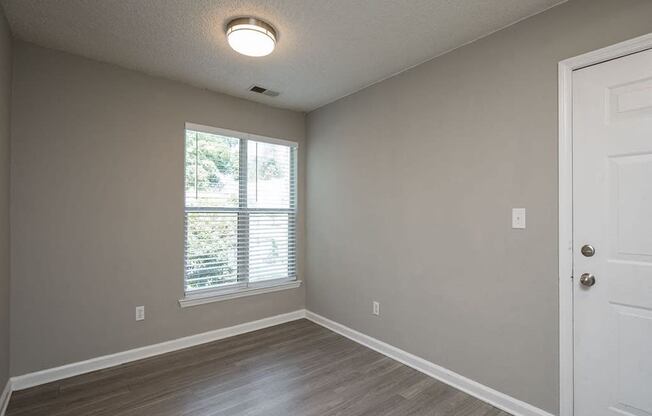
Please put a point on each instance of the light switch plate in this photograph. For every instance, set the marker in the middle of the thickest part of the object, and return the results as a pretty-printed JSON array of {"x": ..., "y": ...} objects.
[{"x": 518, "y": 218}]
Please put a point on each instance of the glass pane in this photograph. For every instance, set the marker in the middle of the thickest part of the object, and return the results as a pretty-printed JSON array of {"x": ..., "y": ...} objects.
[
  {"x": 271, "y": 246},
  {"x": 269, "y": 175},
  {"x": 211, "y": 249},
  {"x": 212, "y": 170}
]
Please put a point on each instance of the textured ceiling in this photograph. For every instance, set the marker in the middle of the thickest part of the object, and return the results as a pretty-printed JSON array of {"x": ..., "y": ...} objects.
[{"x": 326, "y": 49}]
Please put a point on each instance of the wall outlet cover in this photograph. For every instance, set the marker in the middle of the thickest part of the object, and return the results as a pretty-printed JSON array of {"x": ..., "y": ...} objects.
[
  {"x": 518, "y": 218},
  {"x": 140, "y": 313}
]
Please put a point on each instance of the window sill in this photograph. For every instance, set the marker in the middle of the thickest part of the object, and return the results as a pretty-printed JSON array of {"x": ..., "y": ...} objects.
[{"x": 226, "y": 294}]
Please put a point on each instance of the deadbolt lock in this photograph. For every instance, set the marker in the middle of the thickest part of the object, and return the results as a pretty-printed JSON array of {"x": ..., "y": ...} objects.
[{"x": 588, "y": 250}]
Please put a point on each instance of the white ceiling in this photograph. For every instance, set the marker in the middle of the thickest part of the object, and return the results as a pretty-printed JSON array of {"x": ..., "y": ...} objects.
[{"x": 327, "y": 48}]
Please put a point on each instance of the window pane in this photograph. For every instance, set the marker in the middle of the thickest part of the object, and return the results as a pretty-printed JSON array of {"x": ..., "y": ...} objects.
[
  {"x": 212, "y": 170},
  {"x": 269, "y": 175},
  {"x": 211, "y": 249},
  {"x": 238, "y": 232},
  {"x": 271, "y": 246}
]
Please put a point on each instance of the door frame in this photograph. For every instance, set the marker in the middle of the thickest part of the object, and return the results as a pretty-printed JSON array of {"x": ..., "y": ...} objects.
[{"x": 566, "y": 68}]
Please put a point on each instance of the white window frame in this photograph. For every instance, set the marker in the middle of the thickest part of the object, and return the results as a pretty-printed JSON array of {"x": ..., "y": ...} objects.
[{"x": 239, "y": 289}]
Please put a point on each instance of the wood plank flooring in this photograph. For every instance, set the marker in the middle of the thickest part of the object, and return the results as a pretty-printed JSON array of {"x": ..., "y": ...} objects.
[{"x": 298, "y": 368}]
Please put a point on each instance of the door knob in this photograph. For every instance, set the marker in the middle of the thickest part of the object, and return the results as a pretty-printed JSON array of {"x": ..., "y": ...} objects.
[
  {"x": 587, "y": 279},
  {"x": 588, "y": 250}
]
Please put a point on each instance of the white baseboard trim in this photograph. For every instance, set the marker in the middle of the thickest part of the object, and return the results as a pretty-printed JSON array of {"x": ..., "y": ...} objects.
[
  {"x": 495, "y": 398},
  {"x": 4, "y": 398},
  {"x": 500, "y": 400},
  {"x": 99, "y": 363}
]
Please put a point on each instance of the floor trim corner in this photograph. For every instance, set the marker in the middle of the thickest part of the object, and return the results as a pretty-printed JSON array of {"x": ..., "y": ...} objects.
[{"x": 4, "y": 398}]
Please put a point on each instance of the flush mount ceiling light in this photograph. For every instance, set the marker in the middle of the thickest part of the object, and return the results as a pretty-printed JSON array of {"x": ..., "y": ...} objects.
[{"x": 251, "y": 37}]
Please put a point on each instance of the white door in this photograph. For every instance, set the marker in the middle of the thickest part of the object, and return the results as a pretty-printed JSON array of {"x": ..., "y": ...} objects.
[{"x": 612, "y": 211}]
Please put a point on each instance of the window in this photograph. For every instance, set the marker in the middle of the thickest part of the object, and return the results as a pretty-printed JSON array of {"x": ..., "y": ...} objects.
[{"x": 240, "y": 211}]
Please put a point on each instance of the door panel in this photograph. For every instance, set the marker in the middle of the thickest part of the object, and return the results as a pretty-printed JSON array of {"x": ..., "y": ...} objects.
[
  {"x": 632, "y": 205},
  {"x": 634, "y": 358},
  {"x": 612, "y": 211}
]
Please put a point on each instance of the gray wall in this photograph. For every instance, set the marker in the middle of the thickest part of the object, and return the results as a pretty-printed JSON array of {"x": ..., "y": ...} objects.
[
  {"x": 410, "y": 187},
  {"x": 97, "y": 208},
  {"x": 5, "y": 100}
]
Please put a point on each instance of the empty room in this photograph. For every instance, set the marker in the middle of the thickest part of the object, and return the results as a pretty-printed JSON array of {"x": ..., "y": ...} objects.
[{"x": 325, "y": 207}]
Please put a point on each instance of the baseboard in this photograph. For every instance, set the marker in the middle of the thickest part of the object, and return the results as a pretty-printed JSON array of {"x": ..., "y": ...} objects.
[
  {"x": 500, "y": 400},
  {"x": 99, "y": 363},
  {"x": 495, "y": 398},
  {"x": 4, "y": 398}
]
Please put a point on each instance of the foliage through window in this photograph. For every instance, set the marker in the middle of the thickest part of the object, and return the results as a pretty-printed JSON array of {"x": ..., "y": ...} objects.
[{"x": 240, "y": 211}]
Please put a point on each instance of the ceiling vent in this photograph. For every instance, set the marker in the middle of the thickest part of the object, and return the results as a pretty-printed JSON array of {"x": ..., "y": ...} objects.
[{"x": 262, "y": 90}]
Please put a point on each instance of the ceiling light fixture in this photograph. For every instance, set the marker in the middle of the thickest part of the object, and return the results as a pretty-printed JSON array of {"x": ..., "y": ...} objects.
[{"x": 251, "y": 37}]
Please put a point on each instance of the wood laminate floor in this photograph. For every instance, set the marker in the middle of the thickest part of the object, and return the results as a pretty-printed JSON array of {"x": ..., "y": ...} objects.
[{"x": 298, "y": 368}]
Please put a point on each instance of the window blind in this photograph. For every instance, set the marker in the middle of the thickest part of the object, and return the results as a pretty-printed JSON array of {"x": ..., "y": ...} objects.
[{"x": 240, "y": 211}]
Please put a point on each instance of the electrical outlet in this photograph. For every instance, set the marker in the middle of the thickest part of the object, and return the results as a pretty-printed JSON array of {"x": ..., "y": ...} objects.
[
  {"x": 518, "y": 218},
  {"x": 376, "y": 308},
  {"x": 140, "y": 313}
]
